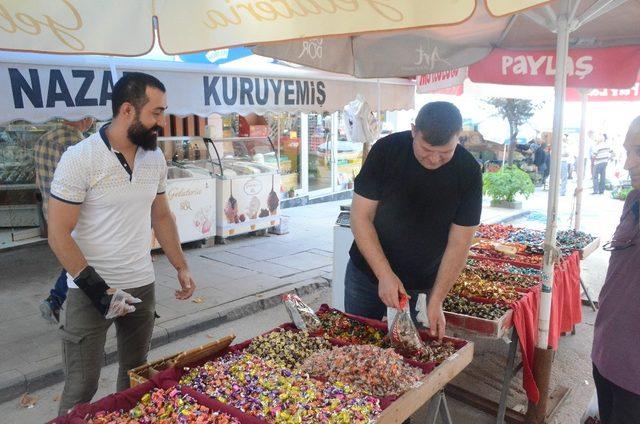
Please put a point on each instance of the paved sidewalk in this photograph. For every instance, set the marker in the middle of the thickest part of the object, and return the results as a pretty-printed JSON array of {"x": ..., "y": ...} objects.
[{"x": 234, "y": 280}]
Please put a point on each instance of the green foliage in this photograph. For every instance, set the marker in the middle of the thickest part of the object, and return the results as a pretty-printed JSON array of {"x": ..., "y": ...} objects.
[
  {"x": 507, "y": 183},
  {"x": 516, "y": 112},
  {"x": 621, "y": 193}
]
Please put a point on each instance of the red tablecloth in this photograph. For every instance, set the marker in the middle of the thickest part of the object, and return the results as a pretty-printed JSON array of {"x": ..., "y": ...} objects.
[{"x": 566, "y": 311}]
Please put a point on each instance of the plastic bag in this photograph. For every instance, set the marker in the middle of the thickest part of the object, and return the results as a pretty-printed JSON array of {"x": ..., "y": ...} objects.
[
  {"x": 302, "y": 316},
  {"x": 591, "y": 414},
  {"x": 404, "y": 335}
]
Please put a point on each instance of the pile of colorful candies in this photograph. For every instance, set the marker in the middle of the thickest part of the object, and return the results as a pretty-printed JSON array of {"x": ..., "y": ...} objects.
[
  {"x": 515, "y": 280},
  {"x": 435, "y": 352},
  {"x": 287, "y": 348},
  {"x": 263, "y": 389},
  {"x": 502, "y": 267},
  {"x": 164, "y": 407},
  {"x": 531, "y": 260},
  {"x": 464, "y": 306},
  {"x": 567, "y": 240},
  {"x": 573, "y": 240},
  {"x": 495, "y": 231},
  {"x": 527, "y": 236},
  {"x": 345, "y": 329},
  {"x": 470, "y": 284},
  {"x": 370, "y": 369}
]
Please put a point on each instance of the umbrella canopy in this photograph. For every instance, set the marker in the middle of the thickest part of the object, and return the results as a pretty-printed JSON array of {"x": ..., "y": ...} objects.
[
  {"x": 429, "y": 50},
  {"x": 126, "y": 28}
]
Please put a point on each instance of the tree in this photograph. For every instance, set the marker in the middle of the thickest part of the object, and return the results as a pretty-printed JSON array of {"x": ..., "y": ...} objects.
[{"x": 516, "y": 112}]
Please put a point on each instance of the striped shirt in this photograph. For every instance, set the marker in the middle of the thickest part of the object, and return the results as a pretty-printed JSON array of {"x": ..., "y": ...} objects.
[{"x": 48, "y": 151}]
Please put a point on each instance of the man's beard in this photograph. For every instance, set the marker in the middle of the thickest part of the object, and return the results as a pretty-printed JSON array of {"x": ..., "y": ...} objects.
[{"x": 147, "y": 138}]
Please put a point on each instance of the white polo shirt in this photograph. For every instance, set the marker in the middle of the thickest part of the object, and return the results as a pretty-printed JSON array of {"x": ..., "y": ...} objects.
[{"x": 114, "y": 226}]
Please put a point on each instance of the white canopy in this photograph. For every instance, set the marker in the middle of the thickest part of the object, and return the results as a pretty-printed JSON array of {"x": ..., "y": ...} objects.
[{"x": 39, "y": 87}]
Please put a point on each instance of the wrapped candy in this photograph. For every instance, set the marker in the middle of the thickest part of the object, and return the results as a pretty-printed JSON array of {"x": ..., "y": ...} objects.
[
  {"x": 287, "y": 348},
  {"x": 372, "y": 370},
  {"x": 301, "y": 315},
  {"x": 347, "y": 330},
  {"x": 263, "y": 389},
  {"x": 163, "y": 407}
]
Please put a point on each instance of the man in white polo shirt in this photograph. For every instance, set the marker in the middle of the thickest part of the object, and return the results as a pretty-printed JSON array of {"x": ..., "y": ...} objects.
[{"x": 107, "y": 193}]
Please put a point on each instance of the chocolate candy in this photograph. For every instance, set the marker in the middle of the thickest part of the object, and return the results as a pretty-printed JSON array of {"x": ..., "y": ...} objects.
[
  {"x": 287, "y": 348},
  {"x": 470, "y": 284},
  {"x": 515, "y": 280},
  {"x": 370, "y": 369},
  {"x": 464, "y": 306}
]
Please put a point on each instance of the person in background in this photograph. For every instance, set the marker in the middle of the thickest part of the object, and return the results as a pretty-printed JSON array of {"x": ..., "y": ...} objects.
[
  {"x": 601, "y": 155},
  {"x": 416, "y": 205},
  {"x": 539, "y": 160},
  {"x": 48, "y": 151},
  {"x": 547, "y": 164},
  {"x": 616, "y": 335}
]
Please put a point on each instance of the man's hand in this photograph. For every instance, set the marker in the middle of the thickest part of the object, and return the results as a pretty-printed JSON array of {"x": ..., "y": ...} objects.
[
  {"x": 437, "y": 322},
  {"x": 186, "y": 283},
  {"x": 121, "y": 303},
  {"x": 389, "y": 289}
]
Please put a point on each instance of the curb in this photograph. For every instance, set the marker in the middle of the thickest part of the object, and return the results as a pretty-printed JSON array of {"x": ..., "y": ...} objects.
[{"x": 16, "y": 386}]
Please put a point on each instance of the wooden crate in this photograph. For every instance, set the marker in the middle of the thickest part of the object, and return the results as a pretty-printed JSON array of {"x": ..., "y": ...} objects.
[
  {"x": 144, "y": 372},
  {"x": 590, "y": 248},
  {"x": 432, "y": 383},
  {"x": 495, "y": 329}
]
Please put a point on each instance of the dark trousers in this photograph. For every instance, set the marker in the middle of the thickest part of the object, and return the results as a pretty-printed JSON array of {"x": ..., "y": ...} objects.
[
  {"x": 84, "y": 332},
  {"x": 59, "y": 290},
  {"x": 599, "y": 177},
  {"x": 616, "y": 405},
  {"x": 361, "y": 295}
]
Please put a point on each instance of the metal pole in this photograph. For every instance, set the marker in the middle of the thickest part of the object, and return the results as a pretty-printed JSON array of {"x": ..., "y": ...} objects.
[
  {"x": 580, "y": 167},
  {"x": 562, "y": 52}
]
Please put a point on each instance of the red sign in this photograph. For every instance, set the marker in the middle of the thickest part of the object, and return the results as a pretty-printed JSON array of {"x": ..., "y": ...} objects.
[
  {"x": 612, "y": 67},
  {"x": 607, "y": 94},
  {"x": 445, "y": 80}
]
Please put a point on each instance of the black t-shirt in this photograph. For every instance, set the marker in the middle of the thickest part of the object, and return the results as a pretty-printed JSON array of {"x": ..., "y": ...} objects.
[{"x": 416, "y": 206}]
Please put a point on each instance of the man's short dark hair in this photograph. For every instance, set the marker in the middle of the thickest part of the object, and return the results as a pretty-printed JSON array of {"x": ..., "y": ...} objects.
[
  {"x": 131, "y": 88},
  {"x": 438, "y": 122}
]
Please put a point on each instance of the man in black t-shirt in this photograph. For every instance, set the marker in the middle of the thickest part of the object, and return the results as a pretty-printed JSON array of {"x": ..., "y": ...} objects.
[{"x": 416, "y": 205}]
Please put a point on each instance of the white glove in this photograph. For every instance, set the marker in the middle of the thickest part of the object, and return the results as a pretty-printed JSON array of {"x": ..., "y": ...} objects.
[{"x": 121, "y": 304}]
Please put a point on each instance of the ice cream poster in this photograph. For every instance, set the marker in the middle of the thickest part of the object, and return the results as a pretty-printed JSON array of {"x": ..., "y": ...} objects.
[
  {"x": 247, "y": 204},
  {"x": 192, "y": 207}
]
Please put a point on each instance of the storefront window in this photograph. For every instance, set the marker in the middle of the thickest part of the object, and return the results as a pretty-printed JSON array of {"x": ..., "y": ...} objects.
[
  {"x": 285, "y": 134},
  {"x": 19, "y": 204},
  {"x": 320, "y": 144},
  {"x": 349, "y": 157}
]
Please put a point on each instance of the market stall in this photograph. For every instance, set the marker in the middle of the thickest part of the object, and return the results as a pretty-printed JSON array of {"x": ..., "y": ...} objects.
[
  {"x": 497, "y": 297},
  {"x": 341, "y": 368}
]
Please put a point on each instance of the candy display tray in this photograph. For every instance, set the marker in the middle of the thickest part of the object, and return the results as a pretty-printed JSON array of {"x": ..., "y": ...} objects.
[
  {"x": 145, "y": 372},
  {"x": 479, "y": 326},
  {"x": 167, "y": 371}
]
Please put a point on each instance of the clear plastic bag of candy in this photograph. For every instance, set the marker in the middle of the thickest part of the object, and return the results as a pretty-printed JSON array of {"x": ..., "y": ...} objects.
[
  {"x": 404, "y": 335},
  {"x": 301, "y": 315}
]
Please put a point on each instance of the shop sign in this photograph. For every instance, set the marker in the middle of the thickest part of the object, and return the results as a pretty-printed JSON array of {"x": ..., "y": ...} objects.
[
  {"x": 612, "y": 67},
  {"x": 430, "y": 83},
  {"x": 37, "y": 93}
]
